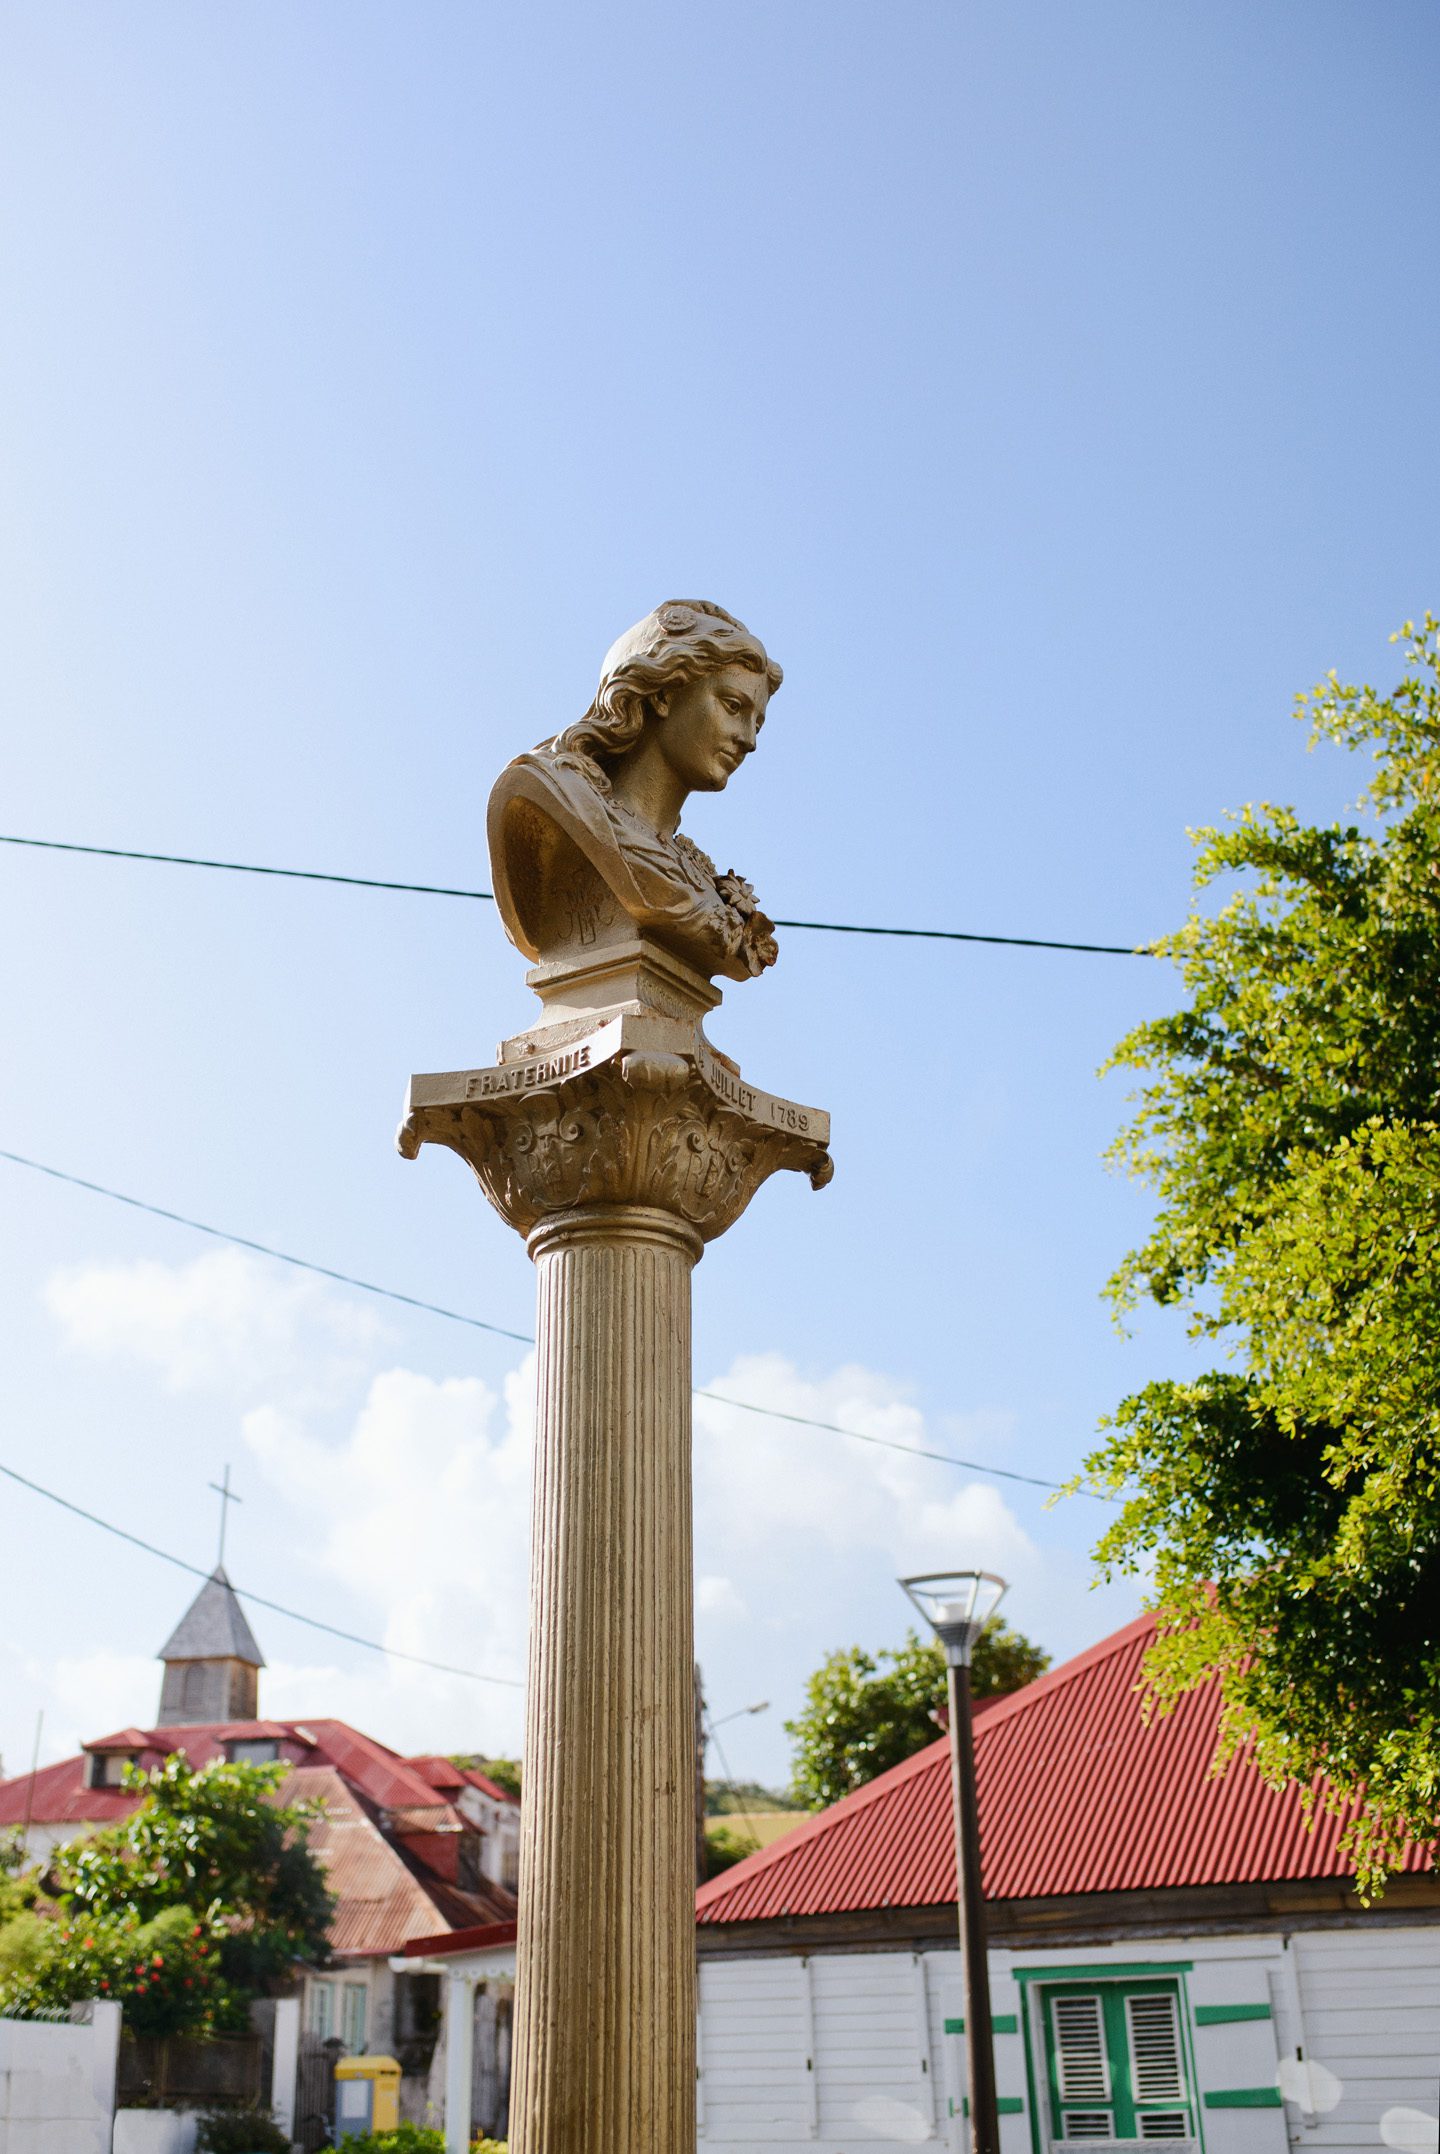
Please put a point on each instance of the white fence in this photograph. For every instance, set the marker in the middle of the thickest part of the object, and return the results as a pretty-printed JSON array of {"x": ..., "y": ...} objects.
[{"x": 57, "y": 2084}]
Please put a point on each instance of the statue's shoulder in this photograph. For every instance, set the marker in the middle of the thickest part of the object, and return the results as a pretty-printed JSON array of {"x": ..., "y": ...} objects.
[
  {"x": 546, "y": 774},
  {"x": 556, "y": 852}
]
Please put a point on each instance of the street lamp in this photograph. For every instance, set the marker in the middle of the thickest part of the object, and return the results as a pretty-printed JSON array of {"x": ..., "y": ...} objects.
[
  {"x": 704, "y": 1735},
  {"x": 957, "y": 1605}
]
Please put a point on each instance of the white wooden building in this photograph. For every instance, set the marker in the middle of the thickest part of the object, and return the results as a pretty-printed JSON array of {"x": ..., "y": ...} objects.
[{"x": 1174, "y": 1956}]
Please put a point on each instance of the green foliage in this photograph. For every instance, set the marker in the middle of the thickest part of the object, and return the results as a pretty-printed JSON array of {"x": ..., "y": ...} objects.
[
  {"x": 411, "y": 2139},
  {"x": 184, "y": 1911},
  {"x": 19, "y": 1886},
  {"x": 166, "y": 1972},
  {"x": 864, "y": 1714},
  {"x": 213, "y": 1839},
  {"x": 505, "y": 1772},
  {"x": 401, "y": 2139},
  {"x": 241, "y": 2131},
  {"x": 728, "y": 1798},
  {"x": 725, "y": 1845},
  {"x": 1289, "y": 1123}
]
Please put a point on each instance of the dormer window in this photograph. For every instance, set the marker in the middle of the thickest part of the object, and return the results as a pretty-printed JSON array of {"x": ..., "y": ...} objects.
[
  {"x": 253, "y": 1750},
  {"x": 106, "y": 1768}
]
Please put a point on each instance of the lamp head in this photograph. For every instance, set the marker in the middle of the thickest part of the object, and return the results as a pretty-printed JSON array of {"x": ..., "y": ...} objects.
[{"x": 957, "y": 1605}]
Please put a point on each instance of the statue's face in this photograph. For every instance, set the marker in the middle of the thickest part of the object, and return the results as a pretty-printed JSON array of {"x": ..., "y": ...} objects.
[{"x": 705, "y": 729}]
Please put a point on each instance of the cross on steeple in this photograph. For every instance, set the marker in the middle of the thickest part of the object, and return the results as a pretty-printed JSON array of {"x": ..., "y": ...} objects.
[{"x": 223, "y": 1491}]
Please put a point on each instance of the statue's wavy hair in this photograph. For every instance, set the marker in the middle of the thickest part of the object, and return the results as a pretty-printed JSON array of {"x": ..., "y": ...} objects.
[{"x": 681, "y": 641}]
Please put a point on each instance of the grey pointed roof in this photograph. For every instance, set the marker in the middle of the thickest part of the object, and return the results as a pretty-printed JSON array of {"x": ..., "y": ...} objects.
[{"x": 213, "y": 1627}]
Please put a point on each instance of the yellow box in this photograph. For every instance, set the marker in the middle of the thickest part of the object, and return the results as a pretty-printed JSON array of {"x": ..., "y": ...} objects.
[{"x": 367, "y": 2093}]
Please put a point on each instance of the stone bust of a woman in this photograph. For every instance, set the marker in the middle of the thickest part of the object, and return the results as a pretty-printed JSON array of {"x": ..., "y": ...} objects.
[{"x": 585, "y": 844}]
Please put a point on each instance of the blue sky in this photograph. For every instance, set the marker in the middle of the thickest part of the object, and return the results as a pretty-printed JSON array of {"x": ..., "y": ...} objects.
[{"x": 1052, "y": 388}]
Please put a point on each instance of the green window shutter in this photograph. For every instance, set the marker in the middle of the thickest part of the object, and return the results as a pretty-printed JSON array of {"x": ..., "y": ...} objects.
[
  {"x": 1117, "y": 2062},
  {"x": 1081, "y": 2091}
]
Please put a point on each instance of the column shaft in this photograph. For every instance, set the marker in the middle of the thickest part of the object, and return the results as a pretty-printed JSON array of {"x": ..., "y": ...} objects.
[{"x": 605, "y": 2008}]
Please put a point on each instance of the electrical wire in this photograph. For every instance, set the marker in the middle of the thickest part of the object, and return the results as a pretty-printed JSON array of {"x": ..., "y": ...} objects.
[
  {"x": 375, "y": 882},
  {"x": 281, "y": 1256},
  {"x": 257, "y": 1600},
  {"x": 730, "y": 1780},
  {"x": 523, "y": 1338}
]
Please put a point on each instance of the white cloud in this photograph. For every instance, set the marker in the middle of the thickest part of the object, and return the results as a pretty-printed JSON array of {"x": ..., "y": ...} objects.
[
  {"x": 716, "y": 1597},
  {"x": 811, "y": 1531},
  {"x": 406, "y": 1501},
  {"x": 759, "y": 1480},
  {"x": 422, "y": 1513},
  {"x": 226, "y": 1322},
  {"x": 98, "y": 1693}
]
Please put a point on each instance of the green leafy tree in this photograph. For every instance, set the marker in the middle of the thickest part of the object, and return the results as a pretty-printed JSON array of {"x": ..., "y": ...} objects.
[
  {"x": 198, "y": 1901},
  {"x": 727, "y": 1798},
  {"x": 505, "y": 1772},
  {"x": 1289, "y": 1122},
  {"x": 725, "y": 1845},
  {"x": 19, "y": 1880},
  {"x": 865, "y": 1713}
]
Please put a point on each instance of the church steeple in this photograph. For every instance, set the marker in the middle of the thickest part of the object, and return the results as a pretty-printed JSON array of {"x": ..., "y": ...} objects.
[{"x": 212, "y": 1663}]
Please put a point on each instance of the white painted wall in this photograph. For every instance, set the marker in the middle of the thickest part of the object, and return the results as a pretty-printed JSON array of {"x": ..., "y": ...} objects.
[
  {"x": 1364, "y": 2007},
  {"x": 57, "y": 2084},
  {"x": 844, "y": 2051}
]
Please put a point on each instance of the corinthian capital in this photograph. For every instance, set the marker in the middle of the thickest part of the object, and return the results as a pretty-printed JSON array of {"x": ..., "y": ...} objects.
[{"x": 613, "y": 1119}]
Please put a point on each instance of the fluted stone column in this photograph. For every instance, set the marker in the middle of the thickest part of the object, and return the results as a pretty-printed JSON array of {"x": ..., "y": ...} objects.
[
  {"x": 617, "y": 1154},
  {"x": 605, "y": 2009}
]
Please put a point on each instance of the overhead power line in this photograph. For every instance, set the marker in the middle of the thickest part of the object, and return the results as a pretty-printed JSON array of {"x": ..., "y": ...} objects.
[
  {"x": 281, "y": 1256},
  {"x": 523, "y": 1338},
  {"x": 375, "y": 882},
  {"x": 257, "y": 1600}
]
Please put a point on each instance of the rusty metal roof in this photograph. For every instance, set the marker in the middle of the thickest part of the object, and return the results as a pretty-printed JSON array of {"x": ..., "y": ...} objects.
[
  {"x": 443, "y": 1773},
  {"x": 1077, "y": 1795},
  {"x": 383, "y": 1896},
  {"x": 379, "y": 1900}
]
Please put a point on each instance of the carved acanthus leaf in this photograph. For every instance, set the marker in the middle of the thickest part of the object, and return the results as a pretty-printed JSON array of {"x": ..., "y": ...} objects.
[{"x": 643, "y": 1130}]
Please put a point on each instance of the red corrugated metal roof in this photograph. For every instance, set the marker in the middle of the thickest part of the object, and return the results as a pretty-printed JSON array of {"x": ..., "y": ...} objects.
[
  {"x": 1077, "y": 1794},
  {"x": 441, "y": 1773},
  {"x": 61, "y": 1795},
  {"x": 482, "y": 1938},
  {"x": 384, "y": 1894}
]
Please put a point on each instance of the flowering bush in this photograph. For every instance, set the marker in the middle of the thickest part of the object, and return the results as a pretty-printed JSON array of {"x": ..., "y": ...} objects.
[{"x": 164, "y": 1972}]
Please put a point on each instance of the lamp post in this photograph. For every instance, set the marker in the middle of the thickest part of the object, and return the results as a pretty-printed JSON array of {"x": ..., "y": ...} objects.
[
  {"x": 704, "y": 1735},
  {"x": 957, "y": 1605}
]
